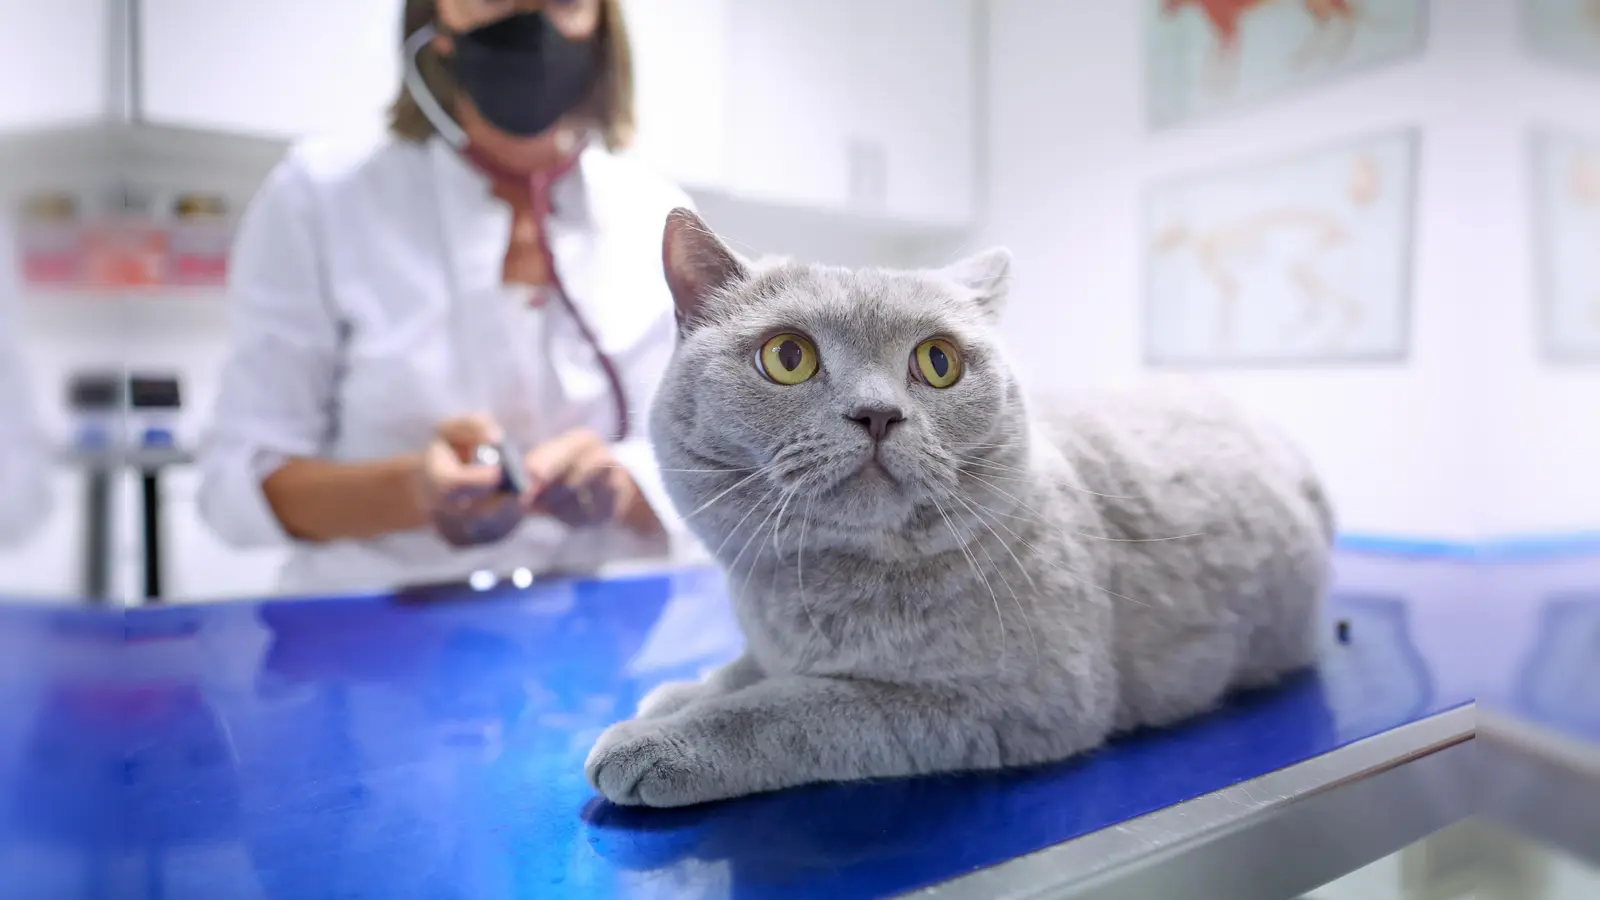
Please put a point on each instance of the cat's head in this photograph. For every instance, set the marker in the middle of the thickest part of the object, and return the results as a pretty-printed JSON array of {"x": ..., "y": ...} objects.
[{"x": 876, "y": 404}]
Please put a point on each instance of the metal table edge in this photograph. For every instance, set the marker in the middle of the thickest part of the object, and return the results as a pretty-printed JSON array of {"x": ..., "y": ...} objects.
[
  {"x": 1174, "y": 839},
  {"x": 1523, "y": 737},
  {"x": 1540, "y": 783}
]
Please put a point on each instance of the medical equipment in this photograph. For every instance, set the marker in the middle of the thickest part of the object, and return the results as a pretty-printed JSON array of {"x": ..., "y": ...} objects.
[{"x": 513, "y": 477}]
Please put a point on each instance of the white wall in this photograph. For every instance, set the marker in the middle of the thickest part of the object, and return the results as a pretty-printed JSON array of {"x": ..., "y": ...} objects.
[
  {"x": 1545, "y": 431},
  {"x": 1416, "y": 449}
]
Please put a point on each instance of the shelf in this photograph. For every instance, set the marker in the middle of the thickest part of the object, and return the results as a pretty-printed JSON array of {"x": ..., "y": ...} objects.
[
  {"x": 145, "y": 459},
  {"x": 157, "y": 310},
  {"x": 110, "y": 151},
  {"x": 755, "y": 227},
  {"x": 235, "y": 164}
]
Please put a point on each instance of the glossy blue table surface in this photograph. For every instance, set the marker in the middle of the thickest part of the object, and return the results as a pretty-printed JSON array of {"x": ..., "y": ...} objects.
[
  {"x": 1553, "y": 609},
  {"x": 430, "y": 744}
]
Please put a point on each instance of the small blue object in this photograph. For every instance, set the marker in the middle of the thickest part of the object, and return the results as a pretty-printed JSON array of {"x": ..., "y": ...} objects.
[{"x": 158, "y": 438}]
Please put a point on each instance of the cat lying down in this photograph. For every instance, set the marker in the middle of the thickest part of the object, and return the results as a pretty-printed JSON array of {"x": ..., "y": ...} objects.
[{"x": 933, "y": 572}]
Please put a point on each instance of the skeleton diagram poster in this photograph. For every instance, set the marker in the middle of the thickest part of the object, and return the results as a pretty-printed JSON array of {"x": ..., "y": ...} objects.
[
  {"x": 1565, "y": 32},
  {"x": 1205, "y": 55},
  {"x": 1304, "y": 259},
  {"x": 1566, "y": 175}
]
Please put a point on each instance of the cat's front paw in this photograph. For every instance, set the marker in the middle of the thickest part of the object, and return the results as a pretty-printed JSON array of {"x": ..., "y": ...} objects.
[
  {"x": 643, "y": 762},
  {"x": 666, "y": 699}
]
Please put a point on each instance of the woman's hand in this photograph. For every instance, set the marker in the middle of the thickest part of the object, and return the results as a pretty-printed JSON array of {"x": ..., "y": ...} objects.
[
  {"x": 578, "y": 482},
  {"x": 461, "y": 496}
]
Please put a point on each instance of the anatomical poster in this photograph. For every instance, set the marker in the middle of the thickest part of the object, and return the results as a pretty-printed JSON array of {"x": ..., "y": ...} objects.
[
  {"x": 1564, "y": 32},
  {"x": 1300, "y": 260},
  {"x": 1206, "y": 55},
  {"x": 1566, "y": 203}
]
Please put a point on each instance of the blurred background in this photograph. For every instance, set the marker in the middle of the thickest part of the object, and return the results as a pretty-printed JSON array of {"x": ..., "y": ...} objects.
[
  {"x": 1377, "y": 223},
  {"x": 142, "y": 129}
]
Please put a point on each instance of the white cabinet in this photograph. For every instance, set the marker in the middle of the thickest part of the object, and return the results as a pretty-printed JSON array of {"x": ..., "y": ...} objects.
[
  {"x": 284, "y": 69},
  {"x": 55, "y": 69},
  {"x": 863, "y": 106},
  {"x": 792, "y": 94},
  {"x": 860, "y": 105},
  {"x": 912, "y": 130},
  {"x": 681, "y": 87}
]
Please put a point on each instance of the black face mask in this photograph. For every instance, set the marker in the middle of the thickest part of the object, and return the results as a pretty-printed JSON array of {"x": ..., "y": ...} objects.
[{"x": 522, "y": 73}]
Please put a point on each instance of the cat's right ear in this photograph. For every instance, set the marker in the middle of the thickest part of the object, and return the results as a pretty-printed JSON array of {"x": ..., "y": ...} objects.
[
  {"x": 698, "y": 265},
  {"x": 987, "y": 275}
]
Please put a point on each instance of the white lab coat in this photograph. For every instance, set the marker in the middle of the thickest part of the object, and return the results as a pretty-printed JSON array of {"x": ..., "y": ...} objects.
[{"x": 367, "y": 304}]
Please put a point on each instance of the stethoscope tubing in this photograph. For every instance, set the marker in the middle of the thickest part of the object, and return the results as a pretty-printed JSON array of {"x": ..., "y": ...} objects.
[{"x": 539, "y": 190}]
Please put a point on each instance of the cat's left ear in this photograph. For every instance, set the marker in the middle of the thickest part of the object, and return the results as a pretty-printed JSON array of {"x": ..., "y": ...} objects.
[{"x": 987, "y": 275}]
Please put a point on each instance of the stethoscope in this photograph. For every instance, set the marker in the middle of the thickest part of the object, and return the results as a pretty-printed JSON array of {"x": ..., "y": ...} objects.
[{"x": 539, "y": 185}]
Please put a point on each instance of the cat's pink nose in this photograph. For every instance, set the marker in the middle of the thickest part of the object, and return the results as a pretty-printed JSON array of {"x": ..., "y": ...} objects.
[{"x": 876, "y": 419}]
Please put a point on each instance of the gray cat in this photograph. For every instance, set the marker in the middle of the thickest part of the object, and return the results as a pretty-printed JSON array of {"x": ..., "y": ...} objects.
[{"x": 933, "y": 573}]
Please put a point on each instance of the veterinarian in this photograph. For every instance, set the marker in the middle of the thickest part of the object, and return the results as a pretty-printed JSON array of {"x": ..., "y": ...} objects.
[{"x": 485, "y": 270}]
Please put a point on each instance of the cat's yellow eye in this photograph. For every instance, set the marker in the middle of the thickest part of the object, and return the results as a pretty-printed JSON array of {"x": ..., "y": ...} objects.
[
  {"x": 936, "y": 363},
  {"x": 788, "y": 359}
]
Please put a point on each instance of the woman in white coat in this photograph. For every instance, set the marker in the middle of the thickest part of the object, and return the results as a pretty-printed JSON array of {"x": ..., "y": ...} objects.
[{"x": 486, "y": 269}]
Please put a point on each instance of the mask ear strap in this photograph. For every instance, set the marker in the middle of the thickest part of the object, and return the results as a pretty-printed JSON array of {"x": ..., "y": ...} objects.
[{"x": 418, "y": 88}]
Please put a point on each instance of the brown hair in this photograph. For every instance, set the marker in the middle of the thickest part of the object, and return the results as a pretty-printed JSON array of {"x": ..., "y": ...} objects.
[{"x": 608, "y": 110}]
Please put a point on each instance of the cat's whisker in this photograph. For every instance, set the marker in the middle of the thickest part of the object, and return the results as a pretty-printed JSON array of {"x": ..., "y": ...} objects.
[
  {"x": 740, "y": 524},
  {"x": 710, "y": 460},
  {"x": 733, "y": 566},
  {"x": 977, "y": 570},
  {"x": 1025, "y": 475},
  {"x": 1087, "y": 583},
  {"x": 978, "y": 457},
  {"x": 725, "y": 471},
  {"x": 1027, "y": 620},
  {"x": 800, "y": 575},
  {"x": 748, "y": 250},
  {"x": 783, "y": 503},
  {"x": 801, "y": 456},
  {"x": 986, "y": 445},
  {"x": 1006, "y": 515},
  {"x": 1014, "y": 498},
  {"x": 975, "y": 508},
  {"x": 986, "y": 461},
  {"x": 1073, "y": 575},
  {"x": 1115, "y": 540},
  {"x": 1085, "y": 534},
  {"x": 800, "y": 554},
  {"x": 777, "y": 525},
  {"x": 805, "y": 604},
  {"x": 741, "y": 246},
  {"x": 728, "y": 490}
]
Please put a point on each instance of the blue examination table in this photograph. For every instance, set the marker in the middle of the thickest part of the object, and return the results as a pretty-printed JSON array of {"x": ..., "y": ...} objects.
[{"x": 430, "y": 744}]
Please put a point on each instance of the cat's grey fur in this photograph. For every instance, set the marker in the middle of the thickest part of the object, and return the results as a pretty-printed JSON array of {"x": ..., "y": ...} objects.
[{"x": 1009, "y": 584}]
